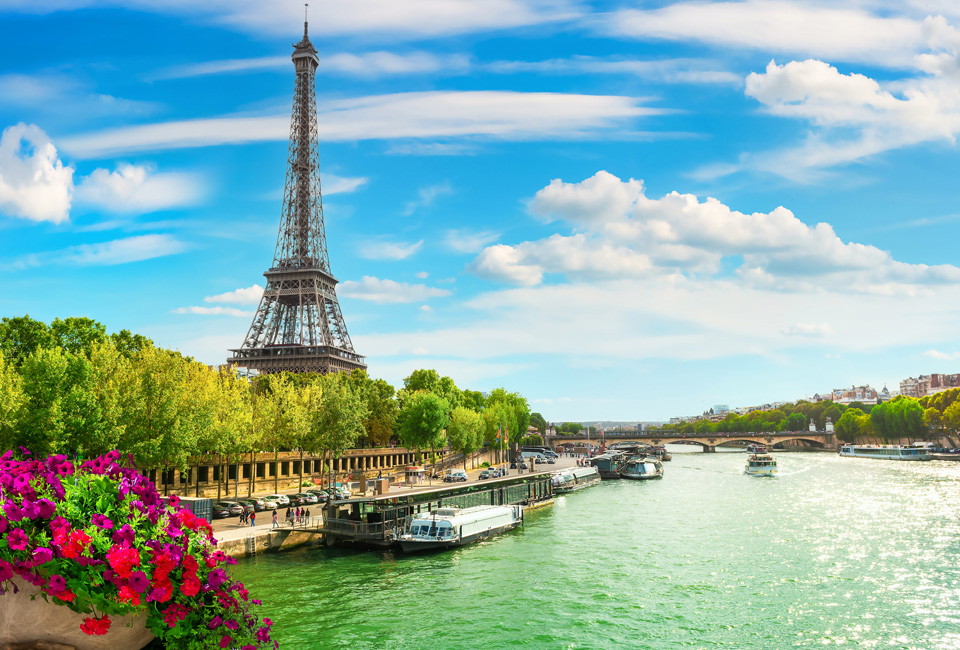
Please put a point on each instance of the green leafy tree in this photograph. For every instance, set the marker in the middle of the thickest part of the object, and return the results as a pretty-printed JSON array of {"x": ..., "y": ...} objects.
[
  {"x": 78, "y": 334},
  {"x": 794, "y": 422},
  {"x": 538, "y": 421},
  {"x": 21, "y": 336},
  {"x": 422, "y": 421},
  {"x": 128, "y": 344},
  {"x": 474, "y": 400},
  {"x": 382, "y": 408},
  {"x": 465, "y": 431},
  {"x": 11, "y": 402},
  {"x": 339, "y": 422},
  {"x": 848, "y": 427},
  {"x": 951, "y": 417}
]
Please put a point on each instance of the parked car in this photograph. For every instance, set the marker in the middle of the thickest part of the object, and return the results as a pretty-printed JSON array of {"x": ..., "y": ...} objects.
[
  {"x": 495, "y": 472},
  {"x": 269, "y": 505},
  {"x": 221, "y": 511},
  {"x": 338, "y": 494},
  {"x": 281, "y": 499},
  {"x": 308, "y": 498},
  {"x": 485, "y": 474},
  {"x": 518, "y": 464},
  {"x": 455, "y": 476},
  {"x": 248, "y": 506},
  {"x": 322, "y": 496},
  {"x": 258, "y": 503},
  {"x": 234, "y": 507}
]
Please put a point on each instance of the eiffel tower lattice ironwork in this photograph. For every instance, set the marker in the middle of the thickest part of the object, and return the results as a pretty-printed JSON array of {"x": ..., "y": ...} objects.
[{"x": 298, "y": 326}]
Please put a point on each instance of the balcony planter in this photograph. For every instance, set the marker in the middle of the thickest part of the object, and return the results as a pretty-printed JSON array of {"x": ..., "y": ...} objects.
[{"x": 24, "y": 619}]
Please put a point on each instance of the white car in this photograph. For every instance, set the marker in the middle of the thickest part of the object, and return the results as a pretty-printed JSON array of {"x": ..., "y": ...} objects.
[
  {"x": 280, "y": 499},
  {"x": 269, "y": 504}
]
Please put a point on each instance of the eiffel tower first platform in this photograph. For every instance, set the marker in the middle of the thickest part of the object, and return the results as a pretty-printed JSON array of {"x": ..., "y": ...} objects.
[{"x": 298, "y": 326}]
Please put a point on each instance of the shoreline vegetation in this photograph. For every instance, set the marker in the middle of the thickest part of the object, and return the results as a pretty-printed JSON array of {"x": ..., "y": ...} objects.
[{"x": 70, "y": 388}]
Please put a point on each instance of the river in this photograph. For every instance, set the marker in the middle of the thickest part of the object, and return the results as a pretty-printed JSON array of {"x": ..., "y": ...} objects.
[{"x": 850, "y": 552}]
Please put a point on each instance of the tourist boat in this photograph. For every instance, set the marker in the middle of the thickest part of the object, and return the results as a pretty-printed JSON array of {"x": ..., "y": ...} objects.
[
  {"x": 451, "y": 527},
  {"x": 660, "y": 453},
  {"x": 609, "y": 464},
  {"x": 640, "y": 468},
  {"x": 575, "y": 478},
  {"x": 886, "y": 452},
  {"x": 761, "y": 465},
  {"x": 756, "y": 448}
]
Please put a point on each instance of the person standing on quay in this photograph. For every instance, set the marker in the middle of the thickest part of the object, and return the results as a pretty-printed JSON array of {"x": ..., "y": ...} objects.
[
  {"x": 253, "y": 519},
  {"x": 276, "y": 520}
]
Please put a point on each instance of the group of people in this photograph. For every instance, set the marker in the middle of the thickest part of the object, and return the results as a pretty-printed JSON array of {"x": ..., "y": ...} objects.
[
  {"x": 293, "y": 516},
  {"x": 248, "y": 517}
]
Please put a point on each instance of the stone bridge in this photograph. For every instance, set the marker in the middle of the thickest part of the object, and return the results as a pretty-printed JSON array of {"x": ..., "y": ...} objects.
[{"x": 709, "y": 442}]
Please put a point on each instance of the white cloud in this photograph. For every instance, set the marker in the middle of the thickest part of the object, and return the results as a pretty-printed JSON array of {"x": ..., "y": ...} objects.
[
  {"x": 426, "y": 308},
  {"x": 695, "y": 71},
  {"x": 791, "y": 27},
  {"x": 368, "y": 65},
  {"x": 212, "y": 311},
  {"x": 426, "y": 196},
  {"x": 248, "y": 296},
  {"x": 943, "y": 356},
  {"x": 467, "y": 241},
  {"x": 423, "y": 275},
  {"x": 852, "y": 116},
  {"x": 389, "y": 291},
  {"x": 333, "y": 184},
  {"x": 675, "y": 317},
  {"x": 496, "y": 114},
  {"x": 626, "y": 234},
  {"x": 47, "y": 93},
  {"x": 118, "y": 251},
  {"x": 412, "y": 19},
  {"x": 137, "y": 189},
  {"x": 388, "y": 250},
  {"x": 34, "y": 183},
  {"x": 807, "y": 329}
]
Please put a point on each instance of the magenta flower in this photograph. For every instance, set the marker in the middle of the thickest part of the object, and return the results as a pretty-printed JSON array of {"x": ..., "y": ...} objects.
[
  {"x": 13, "y": 511},
  {"x": 17, "y": 539},
  {"x": 101, "y": 521},
  {"x": 46, "y": 507},
  {"x": 138, "y": 581},
  {"x": 42, "y": 555},
  {"x": 57, "y": 583},
  {"x": 215, "y": 622},
  {"x": 6, "y": 571},
  {"x": 225, "y": 641}
]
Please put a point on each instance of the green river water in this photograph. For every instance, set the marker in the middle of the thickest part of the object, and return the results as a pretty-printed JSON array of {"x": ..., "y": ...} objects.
[{"x": 835, "y": 551}]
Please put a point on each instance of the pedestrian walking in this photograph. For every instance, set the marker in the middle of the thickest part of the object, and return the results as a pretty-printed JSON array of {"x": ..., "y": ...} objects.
[
  {"x": 253, "y": 519},
  {"x": 298, "y": 514},
  {"x": 276, "y": 521}
]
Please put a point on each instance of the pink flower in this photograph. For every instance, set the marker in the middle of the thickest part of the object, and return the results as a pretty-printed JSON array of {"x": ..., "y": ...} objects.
[
  {"x": 42, "y": 555},
  {"x": 225, "y": 641},
  {"x": 17, "y": 539},
  {"x": 57, "y": 583}
]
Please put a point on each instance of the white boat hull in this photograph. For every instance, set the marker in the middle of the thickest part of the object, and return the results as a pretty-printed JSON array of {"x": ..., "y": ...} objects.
[{"x": 761, "y": 471}]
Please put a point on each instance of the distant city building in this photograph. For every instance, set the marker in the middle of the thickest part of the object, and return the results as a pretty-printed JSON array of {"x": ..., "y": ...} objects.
[
  {"x": 885, "y": 395},
  {"x": 928, "y": 384},
  {"x": 721, "y": 409},
  {"x": 862, "y": 394}
]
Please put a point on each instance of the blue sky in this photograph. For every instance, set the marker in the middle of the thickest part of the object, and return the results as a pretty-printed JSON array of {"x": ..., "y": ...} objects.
[{"x": 622, "y": 210}]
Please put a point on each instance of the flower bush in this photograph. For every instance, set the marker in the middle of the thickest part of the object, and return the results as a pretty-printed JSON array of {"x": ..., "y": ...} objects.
[{"x": 97, "y": 538}]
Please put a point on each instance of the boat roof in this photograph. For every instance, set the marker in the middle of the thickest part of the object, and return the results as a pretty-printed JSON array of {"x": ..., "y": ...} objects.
[{"x": 459, "y": 515}]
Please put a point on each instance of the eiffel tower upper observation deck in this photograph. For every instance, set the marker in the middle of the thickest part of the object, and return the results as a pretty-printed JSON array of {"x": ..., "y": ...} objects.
[{"x": 298, "y": 326}]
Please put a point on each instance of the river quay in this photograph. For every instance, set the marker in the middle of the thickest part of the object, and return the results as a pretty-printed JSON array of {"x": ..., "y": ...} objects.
[{"x": 369, "y": 521}]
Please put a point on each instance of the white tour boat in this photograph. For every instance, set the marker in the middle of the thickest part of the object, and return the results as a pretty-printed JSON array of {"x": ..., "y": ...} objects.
[
  {"x": 574, "y": 478},
  {"x": 640, "y": 468},
  {"x": 886, "y": 452},
  {"x": 449, "y": 527},
  {"x": 761, "y": 465}
]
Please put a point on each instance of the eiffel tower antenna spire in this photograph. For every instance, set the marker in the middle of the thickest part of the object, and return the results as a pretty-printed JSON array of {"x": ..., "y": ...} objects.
[{"x": 298, "y": 326}]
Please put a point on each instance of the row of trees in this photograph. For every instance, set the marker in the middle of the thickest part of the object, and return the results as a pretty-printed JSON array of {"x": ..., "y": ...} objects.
[
  {"x": 902, "y": 417},
  {"x": 71, "y": 388}
]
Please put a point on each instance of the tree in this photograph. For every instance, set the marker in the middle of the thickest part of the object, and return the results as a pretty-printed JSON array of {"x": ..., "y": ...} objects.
[
  {"x": 848, "y": 427},
  {"x": 794, "y": 422},
  {"x": 21, "y": 336},
  {"x": 339, "y": 421},
  {"x": 934, "y": 420},
  {"x": 382, "y": 408},
  {"x": 129, "y": 344},
  {"x": 77, "y": 334},
  {"x": 474, "y": 400},
  {"x": 951, "y": 417},
  {"x": 424, "y": 417},
  {"x": 539, "y": 422},
  {"x": 11, "y": 401},
  {"x": 465, "y": 431}
]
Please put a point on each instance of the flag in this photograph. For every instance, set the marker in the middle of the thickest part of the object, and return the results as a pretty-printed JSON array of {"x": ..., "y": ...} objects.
[
  {"x": 507, "y": 439},
  {"x": 498, "y": 433}
]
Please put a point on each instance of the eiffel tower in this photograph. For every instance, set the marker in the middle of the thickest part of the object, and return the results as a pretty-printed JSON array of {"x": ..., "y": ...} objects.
[{"x": 298, "y": 326}]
